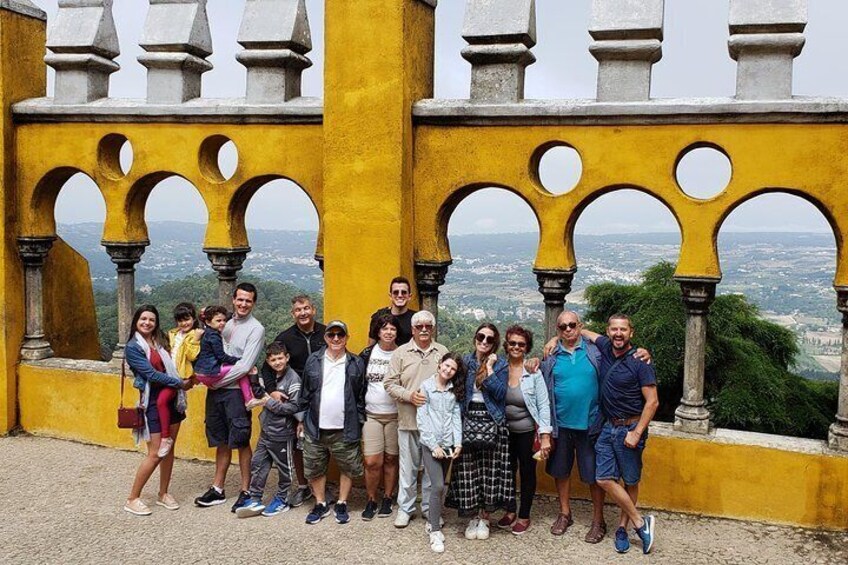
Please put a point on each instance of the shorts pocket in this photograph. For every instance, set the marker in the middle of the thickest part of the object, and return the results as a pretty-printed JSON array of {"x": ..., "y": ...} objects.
[{"x": 239, "y": 432}]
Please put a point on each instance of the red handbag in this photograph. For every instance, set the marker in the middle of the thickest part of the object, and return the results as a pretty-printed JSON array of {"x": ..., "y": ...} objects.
[{"x": 129, "y": 418}]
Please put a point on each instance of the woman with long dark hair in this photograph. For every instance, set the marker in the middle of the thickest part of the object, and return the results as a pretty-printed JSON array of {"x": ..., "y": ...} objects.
[
  {"x": 147, "y": 356},
  {"x": 482, "y": 480}
]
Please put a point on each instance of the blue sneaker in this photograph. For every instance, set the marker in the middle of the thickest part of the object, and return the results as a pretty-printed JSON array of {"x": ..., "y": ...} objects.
[
  {"x": 342, "y": 517},
  {"x": 646, "y": 534},
  {"x": 276, "y": 506},
  {"x": 319, "y": 511},
  {"x": 622, "y": 543},
  {"x": 251, "y": 507}
]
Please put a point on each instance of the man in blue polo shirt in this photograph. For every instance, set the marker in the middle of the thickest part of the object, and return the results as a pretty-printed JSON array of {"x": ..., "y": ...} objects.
[{"x": 629, "y": 402}]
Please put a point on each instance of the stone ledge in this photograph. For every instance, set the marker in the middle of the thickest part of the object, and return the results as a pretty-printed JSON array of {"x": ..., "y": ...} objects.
[
  {"x": 77, "y": 365},
  {"x": 202, "y": 110},
  {"x": 24, "y": 7},
  {"x": 798, "y": 110}
]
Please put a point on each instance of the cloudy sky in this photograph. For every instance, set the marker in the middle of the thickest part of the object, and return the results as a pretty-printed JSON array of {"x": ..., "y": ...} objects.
[{"x": 695, "y": 63}]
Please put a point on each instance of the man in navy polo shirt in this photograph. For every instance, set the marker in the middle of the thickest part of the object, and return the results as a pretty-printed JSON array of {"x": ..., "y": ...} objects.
[{"x": 629, "y": 402}]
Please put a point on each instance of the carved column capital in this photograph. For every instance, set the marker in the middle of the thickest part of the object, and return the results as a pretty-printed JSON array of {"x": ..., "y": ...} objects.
[
  {"x": 125, "y": 255},
  {"x": 430, "y": 276},
  {"x": 554, "y": 285},
  {"x": 34, "y": 250},
  {"x": 698, "y": 294},
  {"x": 227, "y": 262},
  {"x": 320, "y": 259}
]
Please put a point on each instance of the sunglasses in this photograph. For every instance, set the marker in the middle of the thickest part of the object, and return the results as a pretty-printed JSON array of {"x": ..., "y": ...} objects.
[
  {"x": 400, "y": 292},
  {"x": 483, "y": 338},
  {"x": 520, "y": 344},
  {"x": 421, "y": 327},
  {"x": 568, "y": 326},
  {"x": 336, "y": 335}
]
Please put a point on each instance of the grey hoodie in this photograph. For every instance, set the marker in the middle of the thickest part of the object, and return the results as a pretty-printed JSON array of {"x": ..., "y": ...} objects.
[{"x": 278, "y": 418}]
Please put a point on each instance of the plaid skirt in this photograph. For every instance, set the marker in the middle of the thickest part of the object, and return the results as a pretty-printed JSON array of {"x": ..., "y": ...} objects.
[{"x": 482, "y": 479}]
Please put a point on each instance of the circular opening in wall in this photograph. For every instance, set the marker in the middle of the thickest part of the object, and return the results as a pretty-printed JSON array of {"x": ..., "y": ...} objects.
[
  {"x": 560, "y": 168},
  {"x": 218, "y": 158},
  {"x": 703, "y": 171},
  {"x": 115, "y": 155}
]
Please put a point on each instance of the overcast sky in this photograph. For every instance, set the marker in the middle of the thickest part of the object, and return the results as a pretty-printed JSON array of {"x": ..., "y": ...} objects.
[{"x": 695, "y": 63}]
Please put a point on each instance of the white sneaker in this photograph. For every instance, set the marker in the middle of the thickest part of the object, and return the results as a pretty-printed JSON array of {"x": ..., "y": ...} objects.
[
  {"x": 165, "y": 447},
  {"x": 437, "y": 542},
  {"x": 402, "y": 519},
  {"x": 254, "y": 402},
  {"x": 429, "y": 528},
  {"x": 471, "y": 530},
  {"x": 483, "y": 529}
]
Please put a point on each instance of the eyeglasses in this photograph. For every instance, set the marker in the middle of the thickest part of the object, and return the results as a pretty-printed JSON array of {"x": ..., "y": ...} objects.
[
  {"x": 422, "y": 327},
  {"x": 336, "y": 335},
  {"x": 483, "y": 338},
  {"x": 567, "y": 326},
  {"x": 520, "y": 344},
  {"x": 400, "y": 292}
]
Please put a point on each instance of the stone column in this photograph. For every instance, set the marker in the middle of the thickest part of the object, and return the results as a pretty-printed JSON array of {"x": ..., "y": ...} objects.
[
  {"x": 692, "y": 414},
  {"x": 500, "y": 34},
  {"x": 429, "y": 277},
  {"x": 837, "y": 437},
  {"x": 627, "y": 42},
  {"x": 33, "y": 252},
  {"x": 83, "y": 44},
  {"x": 276, "y": 38},
  {"x": 177, "y": 41},
  {"x": 765, "y": 38},
  {"x": 227, "y": 263},
  {"x": 554, "y": 286},
  {"x": 125, "y": 256}
]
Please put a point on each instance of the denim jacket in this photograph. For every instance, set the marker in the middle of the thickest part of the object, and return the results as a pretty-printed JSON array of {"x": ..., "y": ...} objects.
[
  {"x": 493, "y": 388},
  {"x": 535, "y": 393},
  {"x": 547, "y": 368},
  {"x": 440, "y": 418},
  {"x": 143, "y": 371}
]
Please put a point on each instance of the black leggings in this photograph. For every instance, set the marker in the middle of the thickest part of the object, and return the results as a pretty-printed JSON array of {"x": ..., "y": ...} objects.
[{"x": 521, "y": 460}]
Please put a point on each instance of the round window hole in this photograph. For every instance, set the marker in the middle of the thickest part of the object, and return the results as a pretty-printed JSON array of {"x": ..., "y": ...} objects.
[
  {"x": 703, "y": 172},
  {"x": 560, "y": 169},
  {"x": 115, "y": 154},
  {"x": 219, "y": 158}
]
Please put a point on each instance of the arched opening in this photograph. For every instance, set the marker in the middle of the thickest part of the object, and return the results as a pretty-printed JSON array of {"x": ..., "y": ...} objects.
[
  {"x": 282, "y": 226},
  {"x": 778, "y": 259},
  {"x": 494, "y": 236},
  {"x": 79, "y": 213}
]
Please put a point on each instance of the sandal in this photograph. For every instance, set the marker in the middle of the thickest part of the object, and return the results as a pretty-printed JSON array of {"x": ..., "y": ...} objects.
[{"x": 596, "y": 533}]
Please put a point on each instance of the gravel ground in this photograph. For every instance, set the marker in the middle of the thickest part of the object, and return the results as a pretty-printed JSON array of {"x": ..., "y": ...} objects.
[{"x": 62, "y": 503}]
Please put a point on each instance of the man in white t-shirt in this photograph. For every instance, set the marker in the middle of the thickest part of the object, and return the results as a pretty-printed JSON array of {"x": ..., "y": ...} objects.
[{"x": 333, "y": 395}]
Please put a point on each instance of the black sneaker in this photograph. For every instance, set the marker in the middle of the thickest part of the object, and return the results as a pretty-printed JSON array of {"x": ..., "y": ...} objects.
[
  {"x": 211, "y": 498},
  {"x": 301, "y": 495},
  {"x": 342, "y": 516},
  {"x": 242, "y": 500},
  {"x": 319, "y": 511},
  {"x": 385, "y": 508},
  {"x": 370, "y": 511}
]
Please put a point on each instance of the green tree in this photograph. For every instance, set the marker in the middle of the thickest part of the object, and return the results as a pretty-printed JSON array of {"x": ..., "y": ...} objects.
[{"x": 749, "y": 385}]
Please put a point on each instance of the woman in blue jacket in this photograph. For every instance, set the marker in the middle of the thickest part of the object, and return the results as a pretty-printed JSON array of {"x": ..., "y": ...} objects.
[
  {"x": 482, "y": 479},
  {"x": 147, "y": 356}
]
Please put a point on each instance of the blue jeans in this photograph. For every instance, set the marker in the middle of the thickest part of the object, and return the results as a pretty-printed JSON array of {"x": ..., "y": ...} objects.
[{"x": 616, "y": 461}]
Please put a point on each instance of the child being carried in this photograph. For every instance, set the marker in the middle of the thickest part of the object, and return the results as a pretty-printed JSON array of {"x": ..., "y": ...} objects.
[{"x": 213, "y": 363}]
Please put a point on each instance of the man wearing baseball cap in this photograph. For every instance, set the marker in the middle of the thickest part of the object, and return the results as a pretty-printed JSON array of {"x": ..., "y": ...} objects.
[{"x": 333, "y": 395}]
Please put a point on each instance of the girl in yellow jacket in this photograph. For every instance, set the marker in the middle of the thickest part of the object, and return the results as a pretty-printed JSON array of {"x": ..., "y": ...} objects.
[{"x": 185, "y": 338}]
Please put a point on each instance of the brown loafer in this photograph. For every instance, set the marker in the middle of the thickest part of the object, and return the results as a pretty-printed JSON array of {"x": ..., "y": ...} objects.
[
  {"x": 561, "y": 524},
  {"x": 596, "y": 533}
]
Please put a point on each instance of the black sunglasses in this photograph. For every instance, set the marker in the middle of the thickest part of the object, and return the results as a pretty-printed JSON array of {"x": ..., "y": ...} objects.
[
  {"x": 568, "y": 326},
  {"x": 400, "y": 292},
  {"x": 483, "y": 338},
  {"x": 421, "y": 327},
  {"x": 520, "y": 344},
  {"x": 336, "y": 335}
]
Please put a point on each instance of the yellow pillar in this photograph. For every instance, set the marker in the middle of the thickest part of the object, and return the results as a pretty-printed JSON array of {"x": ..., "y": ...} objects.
[
  {"x": 22, "y": 75},
  {"x": 379, "y": 61}
]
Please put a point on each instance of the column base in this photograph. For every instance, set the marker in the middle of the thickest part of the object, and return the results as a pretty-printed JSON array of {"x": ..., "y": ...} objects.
[
  {"x": 692, "y": 419},
  {"x": 35, "y": 349},
  {"x": 837, "y": 437}
]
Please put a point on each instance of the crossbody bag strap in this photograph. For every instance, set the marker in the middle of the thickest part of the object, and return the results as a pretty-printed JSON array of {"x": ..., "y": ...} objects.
[{"x": 123, "y": 378}]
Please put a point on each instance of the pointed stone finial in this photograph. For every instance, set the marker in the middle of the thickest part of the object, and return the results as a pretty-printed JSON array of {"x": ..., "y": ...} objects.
[
  {"x": 500, "y": 34},
  {"x": 177, "y": 40},
  {"x": 765, "y": 38},
  {"x": 628, "y": 41},
  {"x": 83, "y": 42},
  {"x": 276, "y": 38}
]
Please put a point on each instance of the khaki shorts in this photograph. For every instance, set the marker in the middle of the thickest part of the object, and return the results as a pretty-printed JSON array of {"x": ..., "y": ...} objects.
[
  {"x": 380, "y": 434},
  {"x": 316, "y": 455}
]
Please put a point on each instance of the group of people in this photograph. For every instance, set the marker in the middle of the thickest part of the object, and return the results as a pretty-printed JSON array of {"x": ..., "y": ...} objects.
[{"x": 404, "y": 404}]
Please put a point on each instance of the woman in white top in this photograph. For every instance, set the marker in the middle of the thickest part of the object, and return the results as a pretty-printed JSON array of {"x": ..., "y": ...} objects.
[{"x": 380, "y": 432}]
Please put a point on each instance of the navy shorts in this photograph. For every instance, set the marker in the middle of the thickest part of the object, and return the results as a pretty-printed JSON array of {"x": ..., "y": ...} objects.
[
  {"x": 228, "y": 423},
  {"x": 152, "y": 413},
  {"x": 568, "y": 443},
  {"x": 615, "y": 460}
]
